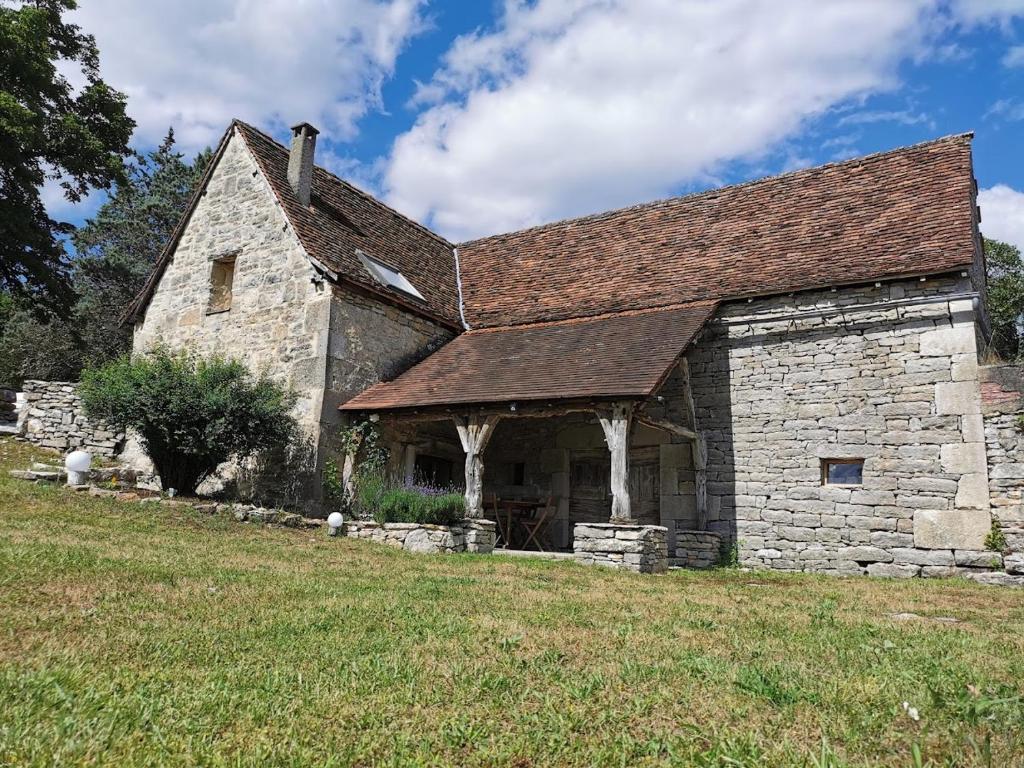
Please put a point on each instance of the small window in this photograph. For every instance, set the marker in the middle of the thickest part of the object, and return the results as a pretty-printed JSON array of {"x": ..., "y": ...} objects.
[
  {"x": 518, "y": 473},
  {"x": 222, "y": 277},
  {"x": 388, "y": 276},
  {"x": 842, "y": 471}
]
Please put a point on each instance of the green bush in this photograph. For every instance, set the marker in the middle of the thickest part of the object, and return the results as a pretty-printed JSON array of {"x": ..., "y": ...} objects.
[
  {"x": 419, "y": 504},
  {"x": 191, "y": 413}
]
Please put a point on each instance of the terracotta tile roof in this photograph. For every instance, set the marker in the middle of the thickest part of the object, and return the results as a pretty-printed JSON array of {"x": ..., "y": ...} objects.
[
  {"x": 340, "y": 219},
  {"x": 905, "y": 212},
  {"x": 624, "y": 355}
]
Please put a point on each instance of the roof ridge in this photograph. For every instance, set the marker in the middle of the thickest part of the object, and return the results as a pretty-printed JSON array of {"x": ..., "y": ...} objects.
[
  {"x": 652, "y": 204},
  {"x": 600, "y": 316},
  {"x": 362, "y": 193}
]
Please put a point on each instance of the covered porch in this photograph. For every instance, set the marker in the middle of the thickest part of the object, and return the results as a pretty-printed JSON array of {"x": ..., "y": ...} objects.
[{"x": 561, "y": 432}]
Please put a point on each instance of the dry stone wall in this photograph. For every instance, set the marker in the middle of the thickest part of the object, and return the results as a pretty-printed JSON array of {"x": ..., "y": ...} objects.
[
  {"x": 53, "y": 417},
  {"x": 884, "y": 373},
  {"x": 641, "y": 548},
  {"x": 467, "y": 536},
  {"x": 1002, "y": 393},
  {"x": 696, "y": 549}
]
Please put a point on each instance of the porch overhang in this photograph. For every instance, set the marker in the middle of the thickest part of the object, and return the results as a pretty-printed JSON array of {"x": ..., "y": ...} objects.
[{"x": 624, "y": 356}]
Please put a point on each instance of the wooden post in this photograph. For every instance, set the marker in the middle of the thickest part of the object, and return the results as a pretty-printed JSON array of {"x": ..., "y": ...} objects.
[
  {"x": 700, "y": 452},
  {"x": 474, "y": 434},
  {"x": 409, "y": 464},
  {"x": 617, "y": 428}
]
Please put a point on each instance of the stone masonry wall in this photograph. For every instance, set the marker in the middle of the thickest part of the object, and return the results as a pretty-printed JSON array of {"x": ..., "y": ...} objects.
[
  {"x": 53, "y": 418},
  {"x": 370, "y": 341},
  {"x": 641, "y": 548},
  {"x": 467, "y": 536},
  {"x": 278, "y": 319},
  {"x": 1002, "y": 394},
  {"x": 696, "y": 549},
  {"x": 782, "y": 383}
]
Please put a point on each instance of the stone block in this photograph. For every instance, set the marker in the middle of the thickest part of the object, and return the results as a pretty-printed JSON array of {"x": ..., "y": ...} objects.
[
  {"x": 984, "y": 558},
  {"x": 972, "y": 491},
  {"x": 865, "y": 554},
  {"x": 908, "y": 556},
  {"x": 951, "y": 528},
  {"x": 963, "y": 458},
  {"x": 892, "y": 571},
  {"x": 945, "y": 342},
  {"x": 958, "y": 398}
]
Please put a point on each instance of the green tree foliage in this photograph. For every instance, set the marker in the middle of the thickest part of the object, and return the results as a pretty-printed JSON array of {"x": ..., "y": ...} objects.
[
  {"x": 50, "y": 130},
  {"x": 115, "y": 252},
  {"x": 191, "y": 413},
  {"x": 1005, "y": 298}
]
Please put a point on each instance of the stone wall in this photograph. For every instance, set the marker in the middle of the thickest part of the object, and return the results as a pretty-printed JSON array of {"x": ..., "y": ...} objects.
[
  {"x": 52, "y": 417},
  {"x": 467, "y": 536},
  {"x": 1002, "y": 395},
  {"x": 885, "y": 373},
  {"x": 696, "y": 549},
  {"x": 8, "y": 411},
  {"x": 641, "y": 548},
  {"x": 278, "y": 318}
]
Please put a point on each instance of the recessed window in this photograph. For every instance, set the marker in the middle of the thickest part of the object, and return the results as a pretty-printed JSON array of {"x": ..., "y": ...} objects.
[
  {"x": 842, "y": 471},
  {"x": 388, "y": 276},
  {"x": 222, "y": 277},
  {"x": 518, "y": 473}
]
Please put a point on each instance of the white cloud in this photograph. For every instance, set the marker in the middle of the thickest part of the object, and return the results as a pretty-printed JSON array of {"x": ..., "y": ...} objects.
[
  {"x": 1002, "y": 214},
  {"x": 985, "y": 11},
  {"x": 195, "y": 64},
  {"x": 571, "y": 107},
  {"x": 1014, "y": 57}
]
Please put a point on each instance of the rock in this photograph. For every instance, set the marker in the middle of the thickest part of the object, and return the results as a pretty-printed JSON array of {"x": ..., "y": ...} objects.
[
  {"x": 1014, "y": 564},
  {"x": 102, "y": 492},
  {"x": 865, "y": 554},
  {"x": 978, "y": 558},
  {"x": 892, "y": 571}
]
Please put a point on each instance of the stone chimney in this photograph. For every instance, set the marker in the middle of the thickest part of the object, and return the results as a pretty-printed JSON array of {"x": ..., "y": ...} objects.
[{"x": 300, "y": 160}]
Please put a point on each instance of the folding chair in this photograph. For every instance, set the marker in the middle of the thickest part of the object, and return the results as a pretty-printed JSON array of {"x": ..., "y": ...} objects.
[{"x": 535, "y": 525}]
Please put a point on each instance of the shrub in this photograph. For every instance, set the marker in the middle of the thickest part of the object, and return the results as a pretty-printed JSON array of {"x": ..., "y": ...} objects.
[
  {"x": 418, "y": 504},
  {"x": 995, "y": 541},
  {"x": 191, "y": 413}
]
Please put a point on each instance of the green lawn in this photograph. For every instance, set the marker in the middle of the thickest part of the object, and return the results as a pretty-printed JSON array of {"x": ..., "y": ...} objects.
[{"x": 134, "y": 636}]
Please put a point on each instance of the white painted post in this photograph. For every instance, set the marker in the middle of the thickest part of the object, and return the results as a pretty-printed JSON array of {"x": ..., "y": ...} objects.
[
  {"x": 617, "y": 428},
  {"x": 474, "y": 433}
]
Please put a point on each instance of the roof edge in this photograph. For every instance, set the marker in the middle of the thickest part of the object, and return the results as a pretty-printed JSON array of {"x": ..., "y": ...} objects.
[{"x": 967, "y": 136}]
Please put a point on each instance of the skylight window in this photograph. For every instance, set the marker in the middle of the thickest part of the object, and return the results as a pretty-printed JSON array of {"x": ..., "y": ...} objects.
[{"x": 388, "y": 276}]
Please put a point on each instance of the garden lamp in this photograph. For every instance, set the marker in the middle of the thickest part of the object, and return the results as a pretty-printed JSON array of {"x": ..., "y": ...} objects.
[
  {"x": 77, "y": 464},
  {"x": 334, "y": 522}
]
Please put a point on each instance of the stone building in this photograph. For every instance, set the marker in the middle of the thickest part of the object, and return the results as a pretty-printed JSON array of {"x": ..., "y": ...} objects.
[{"x": 788, "y": 367}]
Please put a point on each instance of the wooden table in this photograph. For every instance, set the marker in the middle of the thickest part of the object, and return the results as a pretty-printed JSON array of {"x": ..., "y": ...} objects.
[{"x": 510, "y": 508}]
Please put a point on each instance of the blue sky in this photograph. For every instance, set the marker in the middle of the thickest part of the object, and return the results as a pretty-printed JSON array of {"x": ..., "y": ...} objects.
[{"x": 480, "y": 117}]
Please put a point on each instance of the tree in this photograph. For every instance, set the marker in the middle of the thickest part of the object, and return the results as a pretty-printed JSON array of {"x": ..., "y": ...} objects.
[
  {"x": 50, "y": 131},
  {"x": 115, "y": 251},
  {"x": 1005, "y": 298},
  {"x": 191, "y": 413}
]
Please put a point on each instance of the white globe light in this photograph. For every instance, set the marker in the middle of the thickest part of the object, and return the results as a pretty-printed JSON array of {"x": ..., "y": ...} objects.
[
  {"x": 335, "y": 519},
  {"x": 78, "y": 461}
]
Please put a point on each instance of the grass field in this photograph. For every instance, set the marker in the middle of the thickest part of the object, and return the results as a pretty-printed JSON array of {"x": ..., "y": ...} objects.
[{"x": 134, "y": 636}]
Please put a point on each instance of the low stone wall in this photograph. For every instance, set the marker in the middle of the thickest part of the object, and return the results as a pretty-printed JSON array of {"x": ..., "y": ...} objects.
[
  {"x": 641, "y": 548},
  {"x": 696, "y": 549},
  {"x": 1002, "y": 404},
  {"x": 52, "y": 417},
  {"x": 467, "y": 536}
]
